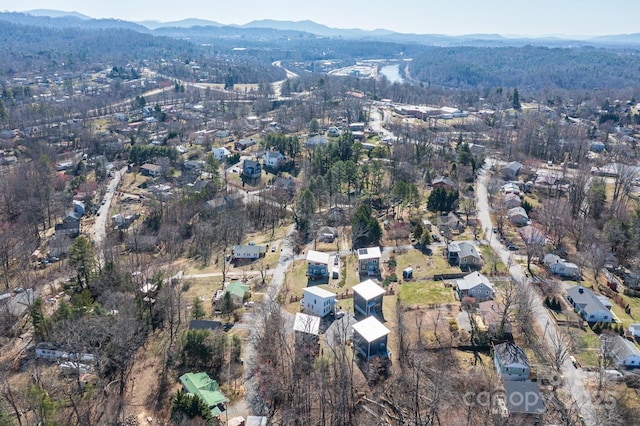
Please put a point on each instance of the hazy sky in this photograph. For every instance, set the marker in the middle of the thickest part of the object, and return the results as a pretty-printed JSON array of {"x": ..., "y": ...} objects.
[{"x": 507, "y": 17}]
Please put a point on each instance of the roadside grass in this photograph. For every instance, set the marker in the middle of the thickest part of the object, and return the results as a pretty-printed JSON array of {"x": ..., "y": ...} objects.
[
  {"x": 487, "y": 255},
  {"x": 424, "y": 293}
]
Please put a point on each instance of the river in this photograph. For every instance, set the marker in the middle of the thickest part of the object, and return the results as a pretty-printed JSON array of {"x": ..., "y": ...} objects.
[{"x": 392, "y": 72}]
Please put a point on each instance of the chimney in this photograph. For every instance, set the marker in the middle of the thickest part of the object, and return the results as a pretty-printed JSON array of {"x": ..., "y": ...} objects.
[{"x": 580, "y": 290}]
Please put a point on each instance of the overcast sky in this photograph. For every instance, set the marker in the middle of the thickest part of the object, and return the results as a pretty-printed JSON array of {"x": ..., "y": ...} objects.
[{"x": 506, "y": 17}]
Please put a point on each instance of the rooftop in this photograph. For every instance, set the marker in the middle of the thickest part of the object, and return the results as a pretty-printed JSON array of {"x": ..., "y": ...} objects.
[
  {"x": 236, "y": 288},
  {"x": 318, "y": 257},
  {"x": 207, "y": 389},
  {"x": 523, "y": 397},
  {"x": 472, "y": 280},
  {"x": 307, "y": 324},
  {"x": 319, "y": 292},
  {"x": 510, "y": 353},
  {"x": 463, "y": 248},
  {"x": 588, "y": 300},
  {"x": 368, "y": 289},
  {"x": 370, "y": 329},
  {"x": 369, "y": 253}
]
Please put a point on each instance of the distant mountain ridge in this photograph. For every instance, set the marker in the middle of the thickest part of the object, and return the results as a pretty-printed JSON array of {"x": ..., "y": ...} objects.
[
  {"x": 55, "y": 18},
  {"x": 315, "y": 28},
  {"x": 56, "y": 13},
  {"x": 183, "y": 23}
]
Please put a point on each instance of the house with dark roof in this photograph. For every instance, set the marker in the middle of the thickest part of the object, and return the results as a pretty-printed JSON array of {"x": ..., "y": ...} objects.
[
  {"x": 284, "y": 186},
  {"x": 463, "y": 253},
  {"x": 70, "y": 228},
  {"x": 523, "y": 397},
  {"x": 251, "y": 170},
  {"x": 243, "y": 144},
  {"x": 511, "y": 170},
  {"x": 621, "y": 351},
  {"x": 210, "y": 325},
  {"x": 443, "y": 182},
  {"x": 207, "y": 389},
  {"x": 591, "y": 307},
  {"x": 511, "y": 361}
]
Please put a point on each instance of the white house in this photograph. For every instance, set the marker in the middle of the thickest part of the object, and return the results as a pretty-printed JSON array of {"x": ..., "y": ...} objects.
[
  {"x": 220, "y": 153},
  {"x": 274, "y": 159},
  {"x": 318, "y": 301},
  {"x": 49, "y": 351},
  {"x": 591, "y": 307},
  {"x": 634, "y": 329},
  {"x": 622, "y": 351},
  {"x": 510, "y": 188},
  {"x": 475, "y": 285},
  {"x": 518, "y": 216},
  {"x": 560, "y": 266},
  {"x": 247, "y": 251},
  {"x": 511, "y": 362}
]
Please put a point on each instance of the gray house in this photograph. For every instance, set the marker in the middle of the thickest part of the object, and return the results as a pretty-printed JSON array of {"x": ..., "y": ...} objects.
[
  {"x": 370, "y": 338},
  {"x": 511, "y": 170},
  {"x": 367, "y": 298},
  {"x": 622, "y": 351},
  {"x": 464, "y": 254},
  {"x": 251, "y": 170},
  {"x": 591, "y": 307}
]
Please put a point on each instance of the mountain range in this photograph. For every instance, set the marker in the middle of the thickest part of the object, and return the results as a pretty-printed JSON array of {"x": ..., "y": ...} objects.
[{"x": 47, "y": 17}]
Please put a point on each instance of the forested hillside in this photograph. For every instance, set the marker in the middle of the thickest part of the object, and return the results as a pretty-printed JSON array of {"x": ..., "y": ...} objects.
[{"x": 527, "y": 67}]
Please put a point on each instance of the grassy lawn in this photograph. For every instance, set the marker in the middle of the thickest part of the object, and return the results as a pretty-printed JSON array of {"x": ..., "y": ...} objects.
[
  {"x": 415, "y": 259},
  {"x": 586, "y": 345},
  {"x": 424, "y": 293},
  {"x": 439, "y": 265}
]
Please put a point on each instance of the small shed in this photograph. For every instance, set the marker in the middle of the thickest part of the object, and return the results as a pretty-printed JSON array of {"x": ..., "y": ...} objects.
[{"x": 407, "y": 273}]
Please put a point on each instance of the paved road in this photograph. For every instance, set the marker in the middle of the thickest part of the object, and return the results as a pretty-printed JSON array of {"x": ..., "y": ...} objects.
[
  {"x": 574, "y": 377},
  {"x": 102, "y": 216}
]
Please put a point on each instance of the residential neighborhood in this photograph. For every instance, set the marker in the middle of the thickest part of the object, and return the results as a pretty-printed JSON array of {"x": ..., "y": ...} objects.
[{"x": 235, "y": 225}]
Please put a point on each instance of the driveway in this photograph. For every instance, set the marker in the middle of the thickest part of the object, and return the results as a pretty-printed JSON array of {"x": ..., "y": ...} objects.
[{"x": 574, "y": 377}]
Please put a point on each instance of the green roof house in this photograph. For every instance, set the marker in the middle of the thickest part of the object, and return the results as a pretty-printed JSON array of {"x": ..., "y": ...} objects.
[
  {"x": 238, "y": 291},
  {"x": 207, "y": 389}
]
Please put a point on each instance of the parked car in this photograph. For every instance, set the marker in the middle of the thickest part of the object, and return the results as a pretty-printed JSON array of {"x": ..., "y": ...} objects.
[{"x": 574, "y": 361}]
